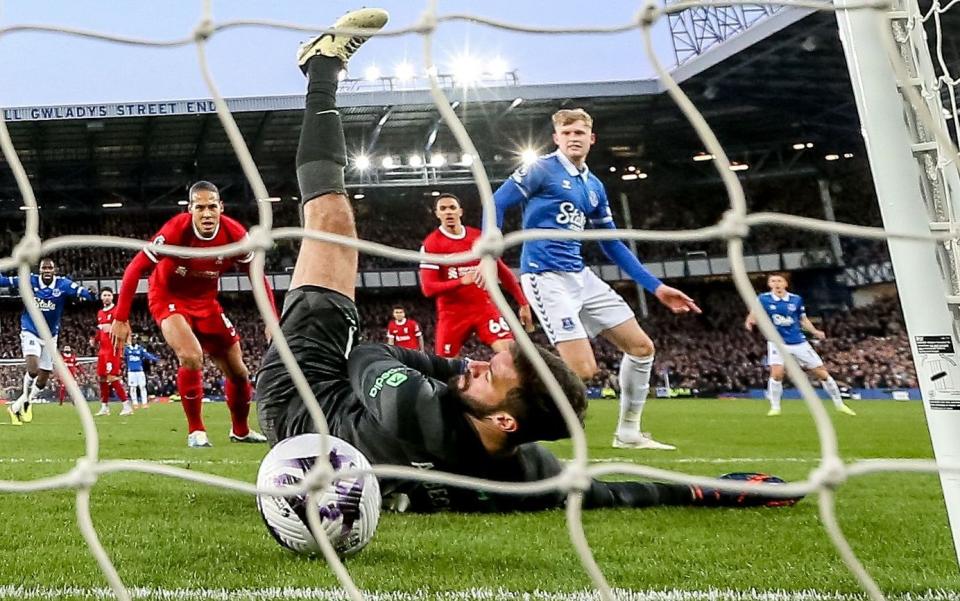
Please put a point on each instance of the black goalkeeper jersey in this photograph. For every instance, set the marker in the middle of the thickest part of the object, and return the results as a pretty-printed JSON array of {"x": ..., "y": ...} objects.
[
  {"x": 409, "y": 417},
  {"x": 391, "y": 403},
  {"x": 395, "y": 406}
]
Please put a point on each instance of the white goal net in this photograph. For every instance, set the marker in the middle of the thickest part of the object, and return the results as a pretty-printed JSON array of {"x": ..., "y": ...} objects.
[{"x": 931, "y": 89}]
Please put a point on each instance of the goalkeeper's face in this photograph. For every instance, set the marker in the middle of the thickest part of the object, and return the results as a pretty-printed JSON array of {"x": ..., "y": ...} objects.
[
  {"x": 485, "y": 385},
  {"x": 206, "y": 208},
  {"x": 574, "y": 141},
  {"x": 508, "y": 394}
]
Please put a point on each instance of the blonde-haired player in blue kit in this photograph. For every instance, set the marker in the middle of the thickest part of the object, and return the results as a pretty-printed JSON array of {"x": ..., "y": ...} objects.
[
  {"x": 573, "y": 304},
  {"x": 789, "y": 316}
]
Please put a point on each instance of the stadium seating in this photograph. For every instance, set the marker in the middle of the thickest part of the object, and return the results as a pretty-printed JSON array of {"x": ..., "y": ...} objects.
[
  {"x": 378, "y": 218},
  {"x": 866, "y": 347}
]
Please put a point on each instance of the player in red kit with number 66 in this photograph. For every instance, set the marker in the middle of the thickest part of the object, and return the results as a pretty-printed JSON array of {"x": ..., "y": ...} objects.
[{"x": 463, "y": 305}]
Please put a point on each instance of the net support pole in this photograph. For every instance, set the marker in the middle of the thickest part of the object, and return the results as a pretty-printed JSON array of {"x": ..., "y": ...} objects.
[
  {"x": 924, "y": 274},
  {"x": 827, "y": 200},
  {"x": 632, "y": 244}
]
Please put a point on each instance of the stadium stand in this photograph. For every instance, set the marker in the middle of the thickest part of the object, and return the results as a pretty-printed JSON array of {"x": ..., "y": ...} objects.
[
  {"x": 378, "y": 217},
  {"x": 866, "y": 346}
]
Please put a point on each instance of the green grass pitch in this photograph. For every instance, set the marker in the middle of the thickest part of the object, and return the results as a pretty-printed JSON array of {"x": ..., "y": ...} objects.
[{"x": 165, "y": 534}]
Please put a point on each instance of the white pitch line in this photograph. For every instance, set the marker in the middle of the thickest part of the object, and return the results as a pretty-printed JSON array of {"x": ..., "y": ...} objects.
[
  {"x": 474, "y": 594},
  {"x": 59, "y": 460},
  {"x": 639, "y": 458}
]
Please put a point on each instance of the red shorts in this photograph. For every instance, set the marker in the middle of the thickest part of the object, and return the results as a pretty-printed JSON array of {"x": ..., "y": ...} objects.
[
  {"x": 209, "y": 323},
  {"x": 453, "y": 329},
  {"x": 108, "y": 364}
]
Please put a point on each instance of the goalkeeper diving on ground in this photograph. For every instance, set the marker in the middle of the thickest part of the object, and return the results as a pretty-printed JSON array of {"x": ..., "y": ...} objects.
[{"x": 402, "y": 407}]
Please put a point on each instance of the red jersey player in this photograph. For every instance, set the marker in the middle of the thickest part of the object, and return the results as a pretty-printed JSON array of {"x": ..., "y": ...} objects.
[
  {"x": 109, "y": 362},
  {"x": 182, "y": 297},
  {"x": 403, "y": 331},
  {"x": 463, "y": 306},
  {"x": 71, "y": 361}
]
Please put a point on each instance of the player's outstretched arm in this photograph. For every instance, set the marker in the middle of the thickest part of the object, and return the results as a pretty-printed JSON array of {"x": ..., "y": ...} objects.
[
  {"x": 749, "y": 322},
  {"x": 77, "y": 290},
  {"x": 524, "y": 183},
  {"x": 432, "y": 286},
  {"x": 618, "y": 252},
  {"x": 808, "y": 326},
  {"x": 399, "y": 387},
  {"x": 366, "y": 357},
  {"x": 512, "y": 286},
  {"x": 9, "y": 281},
  {"x": 674, "y": 299},
  {"x": 510, "y": 283},
  {"x": 140, "y": 266},
  {"x": 507, "y": 195},
  {"x": 245, "y": 266},
  {"x": 654, "y": 494},
  {"x": 602, "y": 218}
]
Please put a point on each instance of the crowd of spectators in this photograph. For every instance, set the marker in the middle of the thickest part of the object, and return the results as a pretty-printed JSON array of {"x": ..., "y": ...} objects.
[
  {"x": 866, "y": 347},
  {"x": 403, "y": 219}
]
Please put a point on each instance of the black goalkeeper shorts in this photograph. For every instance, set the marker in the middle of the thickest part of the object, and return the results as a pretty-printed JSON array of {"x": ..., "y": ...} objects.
[{"x": 320, "y": 326}]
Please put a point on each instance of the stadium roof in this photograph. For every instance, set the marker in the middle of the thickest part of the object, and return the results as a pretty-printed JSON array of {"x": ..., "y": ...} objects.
[{"x": 782, "y": 82}]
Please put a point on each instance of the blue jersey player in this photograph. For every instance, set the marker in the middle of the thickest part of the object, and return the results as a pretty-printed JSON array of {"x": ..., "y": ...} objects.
[
  {"x": 789, "y": 316},
  {"x": 572, "y": 304},
  {"x": 134, "y": 355},
  {"x": 51, "y": 292}
]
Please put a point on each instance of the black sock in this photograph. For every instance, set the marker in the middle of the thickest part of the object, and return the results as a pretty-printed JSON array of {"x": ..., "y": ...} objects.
[
  {"x": 321, "y": 153},
  {"x": 323, "y": 79},
  {"x": 636, "y": 494}
]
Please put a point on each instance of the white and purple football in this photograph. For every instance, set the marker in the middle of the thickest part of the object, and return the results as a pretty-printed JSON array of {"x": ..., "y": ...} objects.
[{"x": 349, "y": 507}]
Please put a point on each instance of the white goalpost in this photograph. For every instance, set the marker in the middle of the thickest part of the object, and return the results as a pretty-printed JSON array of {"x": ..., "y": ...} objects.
[{"x": 916, "y": 180}]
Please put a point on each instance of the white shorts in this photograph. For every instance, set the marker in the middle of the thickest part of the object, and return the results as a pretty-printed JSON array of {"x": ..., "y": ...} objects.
[
  {"x": 802, "y": 352},
  {"x": 33, "y": 346},
  {"x": 136, "y": 378},
  {"x": 571, "y": 306}
]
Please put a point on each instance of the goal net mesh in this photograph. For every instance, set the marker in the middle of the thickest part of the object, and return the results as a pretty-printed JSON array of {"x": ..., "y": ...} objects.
[{"x": 940, "y": 106}]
